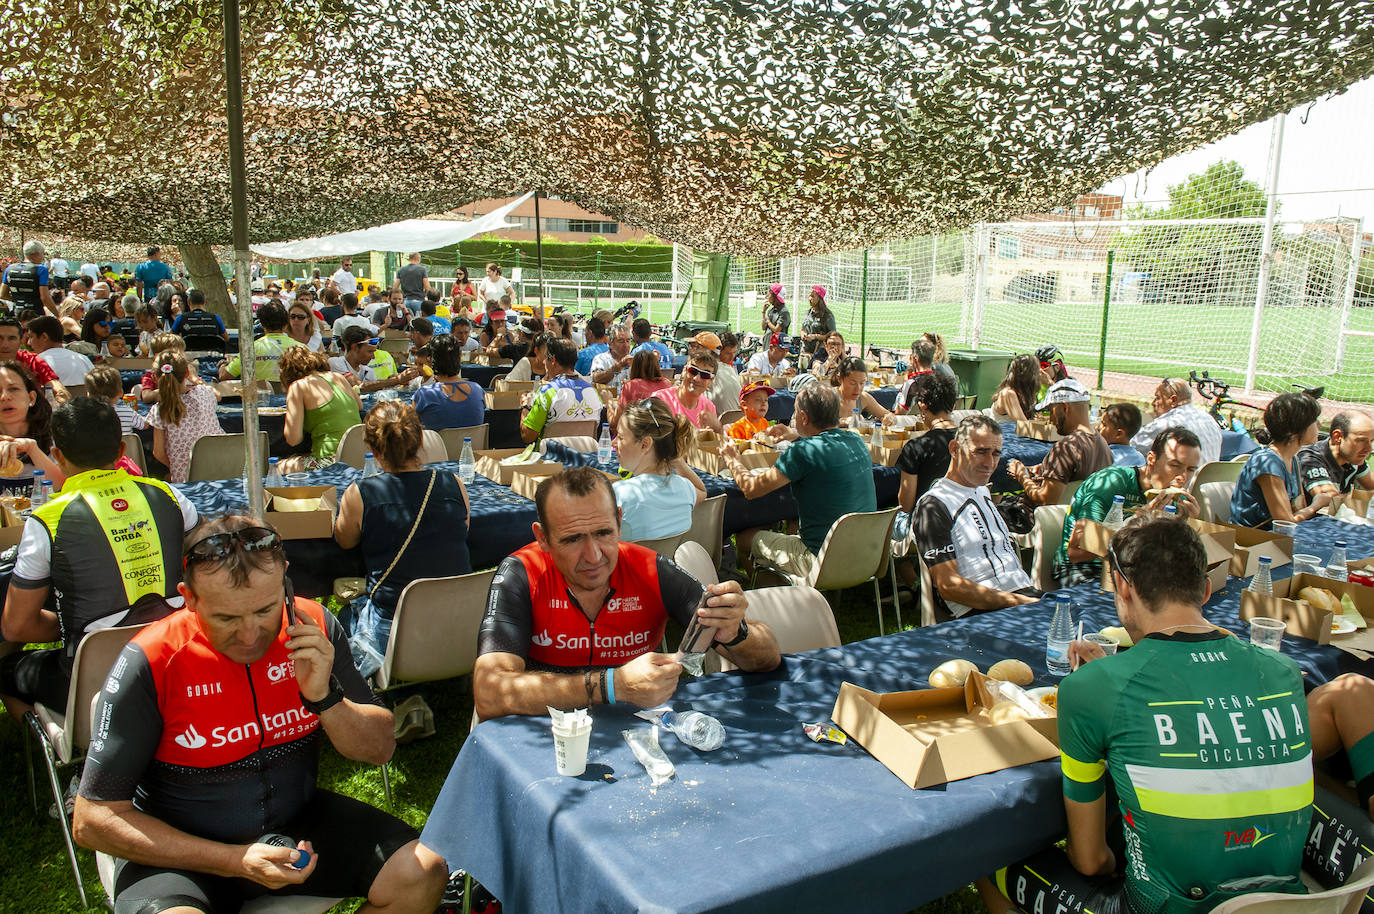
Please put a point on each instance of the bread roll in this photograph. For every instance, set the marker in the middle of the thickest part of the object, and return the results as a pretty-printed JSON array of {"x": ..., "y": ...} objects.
[
  {"x": 1004, "y": 712},
  {"x": 1122, "y": 637},
  {"x": 12, "y": 469},
  {"x": 951, "y": 674},
  {"x": 295, "y": 505},
  {"x": 1321, "y": 598},
  {"x": 1014, "y": 671}
]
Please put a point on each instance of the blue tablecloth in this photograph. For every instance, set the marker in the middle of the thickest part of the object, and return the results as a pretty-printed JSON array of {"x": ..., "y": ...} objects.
[
  {"x": 772, "y": 821},
  {"x": 783, "y": 403}
]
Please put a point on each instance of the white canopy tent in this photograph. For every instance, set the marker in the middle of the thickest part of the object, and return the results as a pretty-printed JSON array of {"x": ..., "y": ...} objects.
[{"x": 406, "y": 235}]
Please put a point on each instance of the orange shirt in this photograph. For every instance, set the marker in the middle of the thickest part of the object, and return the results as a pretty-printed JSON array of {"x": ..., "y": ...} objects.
[{"x": 746, "y": 428}]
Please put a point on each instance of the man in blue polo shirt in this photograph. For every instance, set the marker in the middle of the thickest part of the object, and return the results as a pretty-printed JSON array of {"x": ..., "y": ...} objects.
[{"x": 150, "y": 273}]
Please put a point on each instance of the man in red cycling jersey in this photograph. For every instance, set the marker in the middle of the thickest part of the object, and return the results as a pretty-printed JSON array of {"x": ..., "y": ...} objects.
[
  {"x": 205, "y": 742},
  {"x": 574, "y": 618}
]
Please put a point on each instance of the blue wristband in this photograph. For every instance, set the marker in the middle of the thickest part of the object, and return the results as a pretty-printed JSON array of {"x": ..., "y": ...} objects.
[{"x": 610, "y": 686}]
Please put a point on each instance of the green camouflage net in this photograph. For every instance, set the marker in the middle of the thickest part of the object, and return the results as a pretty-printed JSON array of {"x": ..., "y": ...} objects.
[{"x": 765, "y": 128}]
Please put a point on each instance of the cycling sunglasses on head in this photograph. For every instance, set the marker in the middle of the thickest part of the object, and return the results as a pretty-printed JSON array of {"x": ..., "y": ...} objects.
[
  {"x": 700, "y": 372},
  {"x": 218, "y": 546},
  {"x": 1116, "y": 563}
]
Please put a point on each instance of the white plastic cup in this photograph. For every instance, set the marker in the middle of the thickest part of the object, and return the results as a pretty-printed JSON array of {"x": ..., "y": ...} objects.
[
  {"x": 570, "y": 749},
  {"x": 1267, "y": 633},
  {"x": 1106, "y": 642},
  {"x": 1307, "y": 564},
  {"x": 1286, "y": 528}
]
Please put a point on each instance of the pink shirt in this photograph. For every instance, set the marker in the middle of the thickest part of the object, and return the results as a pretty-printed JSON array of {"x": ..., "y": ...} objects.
[{"x": 704, "y": 405}]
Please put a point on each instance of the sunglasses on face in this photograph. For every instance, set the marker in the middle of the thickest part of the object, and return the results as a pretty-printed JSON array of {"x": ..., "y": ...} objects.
[
  {"x": 298, "y": 317},
  {"x": 700, "y": 373},
  {"x": 102, "y": 323},
  {"x": 218, "y": 546}
]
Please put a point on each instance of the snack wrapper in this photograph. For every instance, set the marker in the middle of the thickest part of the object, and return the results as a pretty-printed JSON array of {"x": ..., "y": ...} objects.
[{"x": 825, "y": 733}]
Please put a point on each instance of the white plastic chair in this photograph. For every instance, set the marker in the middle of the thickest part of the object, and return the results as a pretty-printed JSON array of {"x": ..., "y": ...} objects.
[
  {"x": 133, "y": 449},
  {"x": 798, "y": 616},
  {"x": 221, "y": 457},
  {"x": 352, "y": 450},
  {"x": 453, "y": 439},
  {"x": 693, "y": 559},
  {"x": 433, "y": 634},
  {"x": 585, "y": 444},
  {"x": 858, "y": 548},
  {"x": 1046, "y": 536},
  {"x": 1216, "y": 471},
  {"x": 1214, "y": 500},
  {"x": 1345, "y": 899},
  {"x": 63, "y": 737},
  {"x": 664, "y": 545},
  {"x": 708, "y": 527}
]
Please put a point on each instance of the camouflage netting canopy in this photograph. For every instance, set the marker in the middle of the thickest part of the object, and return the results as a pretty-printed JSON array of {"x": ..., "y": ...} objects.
[{"x": 769, "y": 128}]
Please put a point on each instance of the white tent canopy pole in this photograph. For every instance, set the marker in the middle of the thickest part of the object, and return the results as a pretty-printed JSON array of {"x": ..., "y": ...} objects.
[{"x": 405, "y": 236}]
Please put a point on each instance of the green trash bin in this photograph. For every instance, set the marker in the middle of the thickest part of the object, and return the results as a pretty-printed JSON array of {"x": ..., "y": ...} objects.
[{"x": 980, "y": 372}]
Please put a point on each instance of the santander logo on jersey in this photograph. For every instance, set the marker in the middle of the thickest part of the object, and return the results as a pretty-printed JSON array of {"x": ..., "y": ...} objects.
[{"x": 191, "y": 739}]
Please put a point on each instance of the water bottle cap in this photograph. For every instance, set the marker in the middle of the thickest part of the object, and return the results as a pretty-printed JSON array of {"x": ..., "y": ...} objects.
[
  {"x": 273, "y": 459},
  {"x": 36, "y": 473},
  {"x": 1120, "y": 498},
  {"x": 1340, "y": 544},
  {"x": 467, "y": 440},
  {"x": 1266, "y": 560},
  {"x": 369, "y": 454}
]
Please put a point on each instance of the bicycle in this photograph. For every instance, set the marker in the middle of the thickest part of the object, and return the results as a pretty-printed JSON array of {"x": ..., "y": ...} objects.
[{"x": 1217, "y": 392}]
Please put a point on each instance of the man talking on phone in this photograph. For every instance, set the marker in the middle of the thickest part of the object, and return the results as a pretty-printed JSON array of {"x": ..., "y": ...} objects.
[
  {"x": 576, "y": 617},
  {"x": 205, "y": 744}
]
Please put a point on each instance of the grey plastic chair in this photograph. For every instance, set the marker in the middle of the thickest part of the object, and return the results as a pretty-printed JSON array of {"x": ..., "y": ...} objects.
[
  {"x": 453, "y": 439},
  {"x": 133, "y": 449},
  {"x": 1214, "y": 500},
  {"x": 708, "y": 527},
  {"x": 799, "y": 617},
  {"x": 693, "y": 559},
  {"x": 352, "y": 450},
  {"x": 665, "y": 546},
  {"x": 1046, "y": 536}
]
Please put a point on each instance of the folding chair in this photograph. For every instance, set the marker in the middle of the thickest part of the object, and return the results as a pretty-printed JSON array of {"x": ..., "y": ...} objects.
[
  {"x": 433, "y": 634},
  {"x": 730, "y": 417},
  {"x": 63, "y": 737},
  {"x": 221, "y": 457},
  {"x": 665, "y": 545}
]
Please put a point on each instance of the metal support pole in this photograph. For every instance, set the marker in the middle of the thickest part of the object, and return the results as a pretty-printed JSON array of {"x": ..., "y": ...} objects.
[
  {"x": 863, "y": 308},
  {"x": 796, "y": 283},
  {"x": 1348, "y": 300},
  {"x": 238, "y": 194},
  {"x": 980, "y": 283},
  {"x": 1106, "y": 309},
  {"x": 539, "y": 253},
  {"x": 1271, "y": 207},
  {"x": 596, "y": 296}
]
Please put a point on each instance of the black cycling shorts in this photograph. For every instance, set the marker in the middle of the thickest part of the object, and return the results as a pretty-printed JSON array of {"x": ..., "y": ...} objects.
[
  {"x": 1048, "y": 882},
  {"x": 351, "y": 839},
  {"x": 37, "y": 676}
]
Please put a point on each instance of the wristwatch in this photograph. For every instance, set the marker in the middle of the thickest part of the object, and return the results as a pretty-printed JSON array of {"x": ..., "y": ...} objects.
[
  {"x": 743, "y": 633},
  {"x": 333, "y": 697}
]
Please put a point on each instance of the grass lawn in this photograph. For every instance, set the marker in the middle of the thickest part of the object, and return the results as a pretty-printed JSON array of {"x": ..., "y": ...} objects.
[{"x": 35, "y": 875}]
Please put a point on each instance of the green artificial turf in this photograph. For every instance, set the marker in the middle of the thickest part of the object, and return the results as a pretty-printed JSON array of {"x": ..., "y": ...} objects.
[{"x": 35, "y": 875}]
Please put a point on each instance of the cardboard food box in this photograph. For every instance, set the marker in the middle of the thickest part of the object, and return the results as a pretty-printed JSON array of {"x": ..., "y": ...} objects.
[
  {"x": 303, "y": 525},
  {"x": 705, "y": 456},
  {"x": 1041, "y": 431},
  {"x": 505, "y": 399},
  {"x": 1218, "y": 541},
  {"x": 1356, "y": 500},
  {"x": 758, "y": 457},
  {"x": 231, "y": 390},
  {"x": 517, "y": 386},
  {"x": 527, "y": 478},
  {"x": 11, "y": 521},
  {"x": 1252, "y": 543},
  {"x": 132, "y": 364},
  {"x": 390, "y": 334},
  {"x": 491, "y": 361},
  {"x": 488, "y": 463},
  {"x": 1302, "y": 617},
  {"x": 884, "y": 456},
  {"x": 934, "y": 736}
]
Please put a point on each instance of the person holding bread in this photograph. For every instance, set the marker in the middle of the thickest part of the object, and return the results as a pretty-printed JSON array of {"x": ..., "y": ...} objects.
[
  {"x": 25, "y": 438},
  {"x": 1174, "y": 457}
]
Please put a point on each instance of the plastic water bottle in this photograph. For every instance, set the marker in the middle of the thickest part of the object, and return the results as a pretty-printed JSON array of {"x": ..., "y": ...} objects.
[
  {"x": 1262, "y": 582},
  {"x": 603, "y": 445},
  {"x": 273, "y": 473},
  {"x": 1116, "y": 515},
  {"x": 700, "y": 731},
  {"x": 876, "y": 440},
  {"x": 38, "y": 496},
  {"x": 1171, "y": 509},
  {"x": 858, "y": 418},
  {"x": 466, "y": 467},
  {"x": 1057, "y": 642},
  {"x": 369, "y": 465},
  {"x": 1335, "y": 566},
  {"x": 1096, "y": 409},
  {"x": 47, "y": 491}
]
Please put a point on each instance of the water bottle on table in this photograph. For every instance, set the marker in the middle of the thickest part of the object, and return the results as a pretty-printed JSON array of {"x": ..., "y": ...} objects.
[
  {"x": 370, "y": 465},
  {"x": 466, "y": 466},
  {"x": 1057, "y": 642},
  {"x": 603, "y": 445},
  {"x": 1335, "y": 566},
  {"x": 700, "y": 731},
  {"x": 36, "y": 494},
  {"x": 1263, "y": 581},
  {"x": 273, "y": 473}
]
